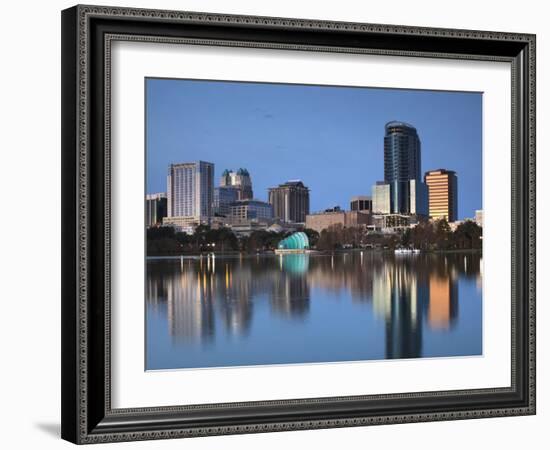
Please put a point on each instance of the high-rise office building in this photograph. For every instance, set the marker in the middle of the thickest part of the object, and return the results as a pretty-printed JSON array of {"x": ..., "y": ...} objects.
[
  {"x": 155, "y": 209},
  {"x": 418, "y": 198},
  {"x": 239, "y": 180},
  {"x": 381, "y": 198},
  {"x": 191, "y": 190},
  {"x": 361, "y": 203},
  {"x": 401, "y": 164},
  {"x": 290, "y": 201},
  {"x": 442, "y": 194}
]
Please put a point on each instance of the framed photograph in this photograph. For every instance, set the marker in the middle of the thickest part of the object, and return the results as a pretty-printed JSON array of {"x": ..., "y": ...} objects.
[{"x": 278, "y": 224}]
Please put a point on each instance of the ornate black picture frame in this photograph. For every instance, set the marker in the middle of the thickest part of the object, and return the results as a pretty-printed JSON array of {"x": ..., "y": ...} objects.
[{"x": 87, "y": 33}]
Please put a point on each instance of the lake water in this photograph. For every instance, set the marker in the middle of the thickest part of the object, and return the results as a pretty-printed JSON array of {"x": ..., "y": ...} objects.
[{"x": 267, "y": 309}]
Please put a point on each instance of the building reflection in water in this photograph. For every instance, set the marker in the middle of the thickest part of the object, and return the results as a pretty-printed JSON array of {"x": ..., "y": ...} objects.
[
  {"x": 203, "y": 298},
  {"x": 234, "y": 299},
  {"x": 399, "y": 297},
  {"x": 350, "y": 272},
  {"x": 443, "y": 308},
  {"x": 189, "y": 306}
]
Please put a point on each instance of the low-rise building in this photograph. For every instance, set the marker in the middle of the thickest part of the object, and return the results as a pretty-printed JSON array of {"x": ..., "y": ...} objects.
[
  {"x": 250, "y": 209},
  {"x": 348, "y": 219},
  {"x": 361, "y": 203},
  {"x": 479, "y": 218},
  {"x": 185, "y": 224},
  {"x": 246, "y": 228},
  {"x": 392, "y": 223}
]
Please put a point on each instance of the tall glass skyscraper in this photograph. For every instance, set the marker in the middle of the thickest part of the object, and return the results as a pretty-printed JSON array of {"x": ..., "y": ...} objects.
[
  {"x": 190, "y": 190},
  {"x": 401, "y": 164}
]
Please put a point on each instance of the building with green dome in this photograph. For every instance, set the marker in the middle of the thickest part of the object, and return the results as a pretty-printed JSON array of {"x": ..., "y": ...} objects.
[
  {"x": 238, "y": 180},
  {"x": 295, "y": 243}
]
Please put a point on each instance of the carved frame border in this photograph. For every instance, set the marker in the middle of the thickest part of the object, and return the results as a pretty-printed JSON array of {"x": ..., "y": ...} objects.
[{"x": 76, "y": 404}]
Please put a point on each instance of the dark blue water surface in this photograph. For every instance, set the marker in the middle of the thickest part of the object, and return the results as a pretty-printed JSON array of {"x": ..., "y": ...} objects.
[{"x": 359, "y": 305}]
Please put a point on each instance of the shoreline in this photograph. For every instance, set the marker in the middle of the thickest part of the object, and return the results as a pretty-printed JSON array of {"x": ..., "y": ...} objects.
[{"x": 312, "y": 252}]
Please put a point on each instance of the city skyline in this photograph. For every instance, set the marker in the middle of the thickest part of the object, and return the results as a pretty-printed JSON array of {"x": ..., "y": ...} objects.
[{"x": 355, "y": 165}]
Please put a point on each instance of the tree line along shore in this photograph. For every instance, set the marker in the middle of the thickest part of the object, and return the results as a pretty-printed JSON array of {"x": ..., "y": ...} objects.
[{"x": 425, "y": 236}]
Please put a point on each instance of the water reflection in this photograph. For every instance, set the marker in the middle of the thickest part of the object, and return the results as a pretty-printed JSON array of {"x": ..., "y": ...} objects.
[{"x": 354, "y": 305}]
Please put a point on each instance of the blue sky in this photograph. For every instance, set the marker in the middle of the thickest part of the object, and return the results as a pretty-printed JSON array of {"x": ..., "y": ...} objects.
[{"x": 332, "y": 138}]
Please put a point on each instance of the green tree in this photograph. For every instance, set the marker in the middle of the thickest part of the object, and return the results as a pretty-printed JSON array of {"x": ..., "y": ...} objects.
[
  {"x": 468, "y": 235},
  {"x": 423, "y": 236},
  {"x": 406, "y": 238},
  {"x": 328, "y": 239},
  {"x": 161, "y": 241},
  {"x": 155, "y": 233},
  {"x": 313, "y": 236},
  {"x": 443, "y": 234}
]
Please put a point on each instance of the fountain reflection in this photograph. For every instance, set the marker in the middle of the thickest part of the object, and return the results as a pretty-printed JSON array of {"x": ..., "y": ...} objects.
[{"x": 289, "y": 296}]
